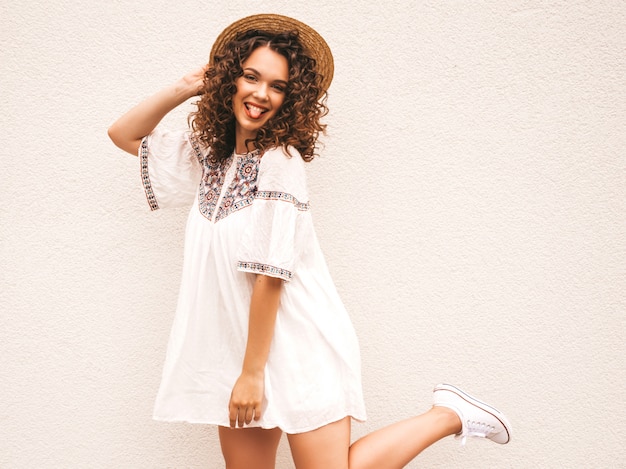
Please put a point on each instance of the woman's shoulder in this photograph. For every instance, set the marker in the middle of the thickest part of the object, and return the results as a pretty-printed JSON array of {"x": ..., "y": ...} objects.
[
  {"x": 285, "y": 158},
  {"x": 283, "y": 155},
  {"x": 283, "y": 167}
]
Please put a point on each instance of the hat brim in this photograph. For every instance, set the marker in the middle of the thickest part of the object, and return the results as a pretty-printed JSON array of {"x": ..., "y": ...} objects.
[{"x": 272, "y": 23}]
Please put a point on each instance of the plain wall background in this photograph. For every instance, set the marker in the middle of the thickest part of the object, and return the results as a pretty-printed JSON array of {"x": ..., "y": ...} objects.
[{"x": 470, "y": 199}]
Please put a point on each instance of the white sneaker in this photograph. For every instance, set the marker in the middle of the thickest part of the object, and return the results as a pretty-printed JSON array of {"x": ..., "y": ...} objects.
[{"x": 478, "y": 419}]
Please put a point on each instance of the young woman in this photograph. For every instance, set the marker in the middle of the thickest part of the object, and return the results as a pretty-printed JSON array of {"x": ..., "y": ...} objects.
[{"x": 261, "y": 343}]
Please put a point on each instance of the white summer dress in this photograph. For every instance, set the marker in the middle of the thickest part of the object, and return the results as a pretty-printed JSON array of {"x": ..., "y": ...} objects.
[{"x": 250, "y": 215}]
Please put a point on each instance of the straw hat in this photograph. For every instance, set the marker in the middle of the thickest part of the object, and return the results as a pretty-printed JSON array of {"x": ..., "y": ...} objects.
[{"x": 271, "y": 23}]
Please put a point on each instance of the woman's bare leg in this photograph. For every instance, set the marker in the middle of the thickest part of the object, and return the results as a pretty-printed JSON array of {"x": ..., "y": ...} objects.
[
  {"x": 324, "y": 448},
  {"x": 396, "y": 445},
  {"x": 245, "y": 448},
  {"x": 392, "y": 447}
]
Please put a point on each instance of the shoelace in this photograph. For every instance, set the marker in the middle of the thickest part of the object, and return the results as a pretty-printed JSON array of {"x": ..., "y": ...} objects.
[{"x": 477, "y": 430}]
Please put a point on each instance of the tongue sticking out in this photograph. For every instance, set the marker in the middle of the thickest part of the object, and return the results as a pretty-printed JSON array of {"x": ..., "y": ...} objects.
[{"x": 254, "y": 112}]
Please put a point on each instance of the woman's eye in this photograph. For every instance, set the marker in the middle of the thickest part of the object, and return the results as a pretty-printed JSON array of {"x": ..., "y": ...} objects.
[
  {"x": 250, "y": 77},
  {"x": 279, "y": 88}
]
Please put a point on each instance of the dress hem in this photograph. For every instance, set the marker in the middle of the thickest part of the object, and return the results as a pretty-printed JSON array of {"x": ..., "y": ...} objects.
[{"x": 265, "y": 426}]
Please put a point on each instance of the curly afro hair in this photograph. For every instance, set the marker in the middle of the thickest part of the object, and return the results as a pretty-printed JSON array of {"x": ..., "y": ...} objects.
[{"x": 297, "y": 122}]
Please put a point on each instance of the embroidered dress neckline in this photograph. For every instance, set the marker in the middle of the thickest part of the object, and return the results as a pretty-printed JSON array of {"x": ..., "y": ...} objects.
[
  {"x": 251, "y": 153},
  {"x": 226, "y": 182},
  {"x": 228, "y": 186}
]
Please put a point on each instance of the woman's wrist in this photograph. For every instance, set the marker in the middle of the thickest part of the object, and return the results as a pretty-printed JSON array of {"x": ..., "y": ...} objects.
[
  {"x": 191, "y": 84},
  {"x": 256, "y": 370},
  {"x": 183, "y": 90}
]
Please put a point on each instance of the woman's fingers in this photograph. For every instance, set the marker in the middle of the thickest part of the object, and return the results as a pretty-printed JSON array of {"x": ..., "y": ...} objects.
[
  {"x": 240, "y": 415},
  {"x": 250, "y": 415},
  {"x": 245, "y": 401},
  {"x": 232, "y": 414}
]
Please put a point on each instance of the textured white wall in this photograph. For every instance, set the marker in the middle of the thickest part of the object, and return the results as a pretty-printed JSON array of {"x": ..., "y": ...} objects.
[{"x": 471, "y": 201}]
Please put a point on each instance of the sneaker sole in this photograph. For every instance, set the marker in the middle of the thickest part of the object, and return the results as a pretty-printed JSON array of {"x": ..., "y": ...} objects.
[{"x": 481, "y": 405}]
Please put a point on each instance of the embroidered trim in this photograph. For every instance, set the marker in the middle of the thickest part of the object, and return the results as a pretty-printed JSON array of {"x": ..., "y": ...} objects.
[
  {"x": 214, "y": 173},
  {"x": 285, "y": 197},
  {"x": 145, "y": 175},
  {"x": 240, "y": 192},
  {"x": 196, "y": 148},
  {"x": 265, "y": 269}
]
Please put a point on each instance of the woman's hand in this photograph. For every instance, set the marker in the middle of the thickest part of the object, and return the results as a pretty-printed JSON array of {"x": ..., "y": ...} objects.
[
  {"x": 195, "y": 80},
  {"x": 246, "y": 399}
]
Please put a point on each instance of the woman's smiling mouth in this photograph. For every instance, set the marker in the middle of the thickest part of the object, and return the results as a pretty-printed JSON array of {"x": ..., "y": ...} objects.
[{"x": 254, "y": 111}]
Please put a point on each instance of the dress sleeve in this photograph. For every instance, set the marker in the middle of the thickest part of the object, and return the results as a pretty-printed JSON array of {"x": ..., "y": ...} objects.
[
  {"x": 170, "y": 168},
  {"x": 274, "y": 238}
]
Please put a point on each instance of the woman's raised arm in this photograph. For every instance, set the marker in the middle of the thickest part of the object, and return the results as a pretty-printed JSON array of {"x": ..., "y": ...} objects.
[{"x": 129, "y": 129}]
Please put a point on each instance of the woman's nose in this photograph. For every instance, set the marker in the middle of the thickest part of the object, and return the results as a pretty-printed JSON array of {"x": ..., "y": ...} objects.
[{"x": 261, "y": 91}]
